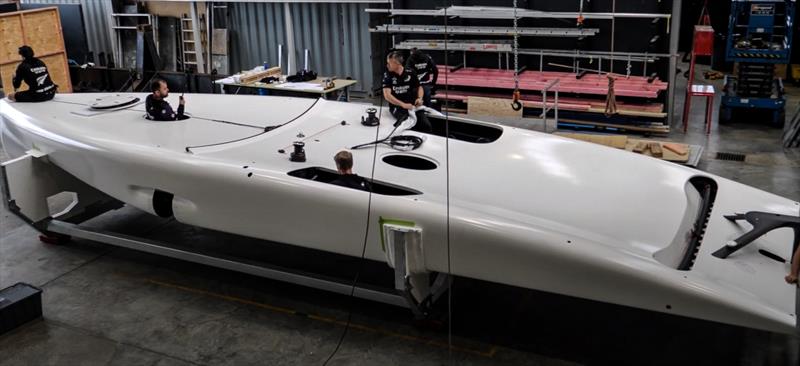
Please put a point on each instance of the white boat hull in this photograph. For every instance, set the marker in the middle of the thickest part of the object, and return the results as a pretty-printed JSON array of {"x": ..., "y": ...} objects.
[{"x": 529, "y": 209}]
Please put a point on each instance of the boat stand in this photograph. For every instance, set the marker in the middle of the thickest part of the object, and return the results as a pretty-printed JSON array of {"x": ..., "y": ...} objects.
[{"x": 30, "y": 180}]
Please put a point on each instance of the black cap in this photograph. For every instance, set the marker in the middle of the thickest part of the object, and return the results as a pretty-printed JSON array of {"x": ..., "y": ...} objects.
[{"x": 26, "y": 52}]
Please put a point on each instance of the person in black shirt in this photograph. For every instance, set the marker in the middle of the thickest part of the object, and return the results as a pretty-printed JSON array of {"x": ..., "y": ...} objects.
[
  {"x": 427, "y": 72},
  {"x": 157, "y": 107},
  {"x": 344, "y": 164},
  {"x": 402, "y": 90},
  {"x": 34, "y": 73}
]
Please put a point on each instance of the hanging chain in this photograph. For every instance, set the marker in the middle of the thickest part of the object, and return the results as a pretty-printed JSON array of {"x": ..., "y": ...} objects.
[
  {"x": 515, "y": 98},
  {"x": 516, "y": 49}
]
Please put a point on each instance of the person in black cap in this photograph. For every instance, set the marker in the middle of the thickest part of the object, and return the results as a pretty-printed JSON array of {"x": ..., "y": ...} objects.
[
  {"x": 34, "y": 73},
  {"x": 402, "y": 90},
  {"x": 158, "y": 109},
  {"x": 427, "y": 72}
]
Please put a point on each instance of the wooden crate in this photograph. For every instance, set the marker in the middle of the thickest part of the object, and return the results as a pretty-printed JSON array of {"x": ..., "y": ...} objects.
[
  {"x": 496, "y": 107},
  {"x": 40, "y": 29}
]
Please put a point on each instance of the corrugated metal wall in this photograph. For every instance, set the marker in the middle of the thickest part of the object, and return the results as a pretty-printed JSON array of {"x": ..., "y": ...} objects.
[
  {"x": 337, "y": 35},
  {"x": 95, "y": 19}
]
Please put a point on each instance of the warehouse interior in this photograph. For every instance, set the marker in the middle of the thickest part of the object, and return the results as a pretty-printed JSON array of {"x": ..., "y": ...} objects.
[{"x": 576, "y": 119}]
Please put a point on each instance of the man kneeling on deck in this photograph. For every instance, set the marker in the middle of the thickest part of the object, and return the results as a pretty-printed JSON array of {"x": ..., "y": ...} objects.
[
  {"x": 402, "y": 90},
  {"x": 34, "y": 72},
  {"x": 158, "y": 109}
]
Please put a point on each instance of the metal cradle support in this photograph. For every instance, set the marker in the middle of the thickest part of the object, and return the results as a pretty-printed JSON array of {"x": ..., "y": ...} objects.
[
  {"x": 418, "y": 286},
  {"x": 31, "y": 179}
]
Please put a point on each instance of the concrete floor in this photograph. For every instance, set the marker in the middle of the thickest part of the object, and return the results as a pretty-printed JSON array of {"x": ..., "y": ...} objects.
[{"x": 105, "y": 305}]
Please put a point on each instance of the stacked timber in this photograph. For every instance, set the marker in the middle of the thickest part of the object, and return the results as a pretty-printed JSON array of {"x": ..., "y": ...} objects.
[
  {"x": 582, "y": 100},
  {"x": 252, "y": 76}
]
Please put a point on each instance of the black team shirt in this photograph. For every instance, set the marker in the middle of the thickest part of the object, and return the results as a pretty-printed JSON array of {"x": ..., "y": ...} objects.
[
  {"x": 425, "y": 68},
  {"x": 404, "y": 87}
]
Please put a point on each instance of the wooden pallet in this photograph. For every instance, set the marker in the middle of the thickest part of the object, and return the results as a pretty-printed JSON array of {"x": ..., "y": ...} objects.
[{"x": 40, "y": 29}]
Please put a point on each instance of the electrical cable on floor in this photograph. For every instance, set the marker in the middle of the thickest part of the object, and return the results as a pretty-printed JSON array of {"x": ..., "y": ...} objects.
[{"x": 364, "y": 247}]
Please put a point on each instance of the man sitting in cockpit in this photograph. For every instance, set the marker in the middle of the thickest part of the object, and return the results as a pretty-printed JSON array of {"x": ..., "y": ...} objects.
[
  {"x": 158, "y": 109},
  {"x": 344, "y": 164}
]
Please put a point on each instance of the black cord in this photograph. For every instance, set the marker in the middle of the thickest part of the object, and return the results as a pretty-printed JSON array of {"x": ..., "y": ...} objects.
[
  {"x": 376, "y": 141},
  {"x": 266, "y": 129},
  {"x": 364, "y": 248},
  {"x": 447, "y": 200}
]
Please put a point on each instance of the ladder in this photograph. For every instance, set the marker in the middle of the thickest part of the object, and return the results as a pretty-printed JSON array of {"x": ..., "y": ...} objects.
[{"x": 193, "y": 42}]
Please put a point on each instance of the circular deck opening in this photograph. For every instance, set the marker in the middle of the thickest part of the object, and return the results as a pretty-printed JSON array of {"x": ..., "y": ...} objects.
[{"x": 412, "y": 162}]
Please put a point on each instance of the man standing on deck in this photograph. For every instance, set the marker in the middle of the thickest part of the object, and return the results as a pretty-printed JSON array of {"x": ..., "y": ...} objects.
[{"x": 427, "y": 73}]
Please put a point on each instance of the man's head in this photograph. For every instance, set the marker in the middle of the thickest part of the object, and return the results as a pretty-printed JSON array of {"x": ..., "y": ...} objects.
[
  {"x": 394, "y": 62},
  {"x": 344, "y": 162},
  {"x": 26, "y": 52},
  {"x": 159, "y": 88}
]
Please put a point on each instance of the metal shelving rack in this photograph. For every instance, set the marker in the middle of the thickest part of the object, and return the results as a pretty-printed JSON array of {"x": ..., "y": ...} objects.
[
  {"x": 483, "y": 31},
  {"x": 483, "y": 12}
]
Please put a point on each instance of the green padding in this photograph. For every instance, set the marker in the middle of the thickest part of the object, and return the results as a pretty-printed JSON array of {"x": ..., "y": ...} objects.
[{"x": 382, "y": 221}]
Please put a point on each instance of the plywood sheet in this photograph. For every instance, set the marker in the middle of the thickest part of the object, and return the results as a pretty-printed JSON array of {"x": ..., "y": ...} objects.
[
  {"x": 617, "y": 141},
  {"x": 11, "y": 29},
  {"x": 495, "y": 107},
  {"x": 43, "y": 32},
  {"x": 40, "y": 29},
  {"x": 624, "y": 142},
  {"x": 60, "y": 75}
]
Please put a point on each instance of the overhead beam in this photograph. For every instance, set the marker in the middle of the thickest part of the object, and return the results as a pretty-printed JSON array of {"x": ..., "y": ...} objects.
[
  {"x": 493, "y": 31},
  {"x": 497, "y": 12}
]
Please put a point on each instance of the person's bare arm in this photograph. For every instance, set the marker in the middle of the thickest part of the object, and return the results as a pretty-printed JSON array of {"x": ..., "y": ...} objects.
[
  {"x": 792, "y": 277},
  {"x": 387, "y": 94},
  {"x": 420, "y": 94}
]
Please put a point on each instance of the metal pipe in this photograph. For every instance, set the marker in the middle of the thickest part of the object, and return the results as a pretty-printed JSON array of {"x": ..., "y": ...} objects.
[
  {"x": 479, "y": 12},
  {"x": 673, "y": 60},
  {"x": 506, "y": 47},
  {"x": 290, "y": 50},
  {"x": 613, "y": 28},
  {"x": 209, "y": 34},
  {"x": 265, "y": 271},
  {"x": 471, "y": 30}
]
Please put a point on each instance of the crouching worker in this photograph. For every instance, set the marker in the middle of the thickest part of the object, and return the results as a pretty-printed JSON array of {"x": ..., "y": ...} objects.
[
  {"x": 158, "y": 109},
  {"x": 34, "y": 73},
  {"x": 344, "y": 164},
  {"x": 402, "y": 90}
]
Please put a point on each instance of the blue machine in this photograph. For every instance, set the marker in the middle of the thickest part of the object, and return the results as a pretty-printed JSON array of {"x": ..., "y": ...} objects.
[{"x": 759, "y": 37}]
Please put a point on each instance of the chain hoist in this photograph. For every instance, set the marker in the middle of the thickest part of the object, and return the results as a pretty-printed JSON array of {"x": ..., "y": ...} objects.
[{"x": 515, "y": 98}]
